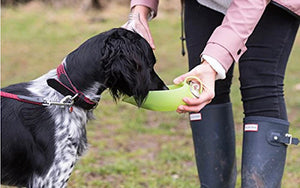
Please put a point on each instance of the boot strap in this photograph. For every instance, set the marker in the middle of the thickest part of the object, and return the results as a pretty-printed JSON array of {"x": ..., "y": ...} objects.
[{"x": 287, "y": 139}]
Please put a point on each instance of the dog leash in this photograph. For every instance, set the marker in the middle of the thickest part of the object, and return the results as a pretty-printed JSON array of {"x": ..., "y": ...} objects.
[
  {"x": 72, "y": 95},
  {"x": 66, "y": 101},
  {"x": 22, "y": 98}
]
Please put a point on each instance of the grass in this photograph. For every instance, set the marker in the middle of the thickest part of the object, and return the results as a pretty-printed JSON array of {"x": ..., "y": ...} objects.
[{"x": 129, "y": 147}]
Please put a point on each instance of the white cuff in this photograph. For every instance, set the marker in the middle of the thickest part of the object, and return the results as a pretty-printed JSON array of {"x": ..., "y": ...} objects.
[{"x": 221, "y": 73}]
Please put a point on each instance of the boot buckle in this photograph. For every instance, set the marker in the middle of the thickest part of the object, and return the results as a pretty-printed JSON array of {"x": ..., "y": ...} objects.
[
  {"x": 290, "y": 138},
  {"x": 275, "y": 138}
]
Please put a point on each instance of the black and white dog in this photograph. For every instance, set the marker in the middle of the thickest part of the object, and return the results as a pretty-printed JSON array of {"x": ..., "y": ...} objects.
[{"x": 42, "y": 139}]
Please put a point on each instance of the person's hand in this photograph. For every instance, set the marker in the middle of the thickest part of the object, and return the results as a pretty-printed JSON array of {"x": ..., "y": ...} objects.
[
  {"x": 207, "y": 75},
  {"x": 138, "y": 22}
]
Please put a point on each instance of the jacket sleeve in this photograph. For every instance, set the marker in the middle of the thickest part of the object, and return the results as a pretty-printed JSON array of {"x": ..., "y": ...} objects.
[
  {"x": 152, "y": 4},
  {"x": 227, "y": 43}
]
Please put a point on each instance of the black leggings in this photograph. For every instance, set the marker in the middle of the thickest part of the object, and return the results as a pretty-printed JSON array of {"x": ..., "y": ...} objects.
[{"x": 261, "y": 67}]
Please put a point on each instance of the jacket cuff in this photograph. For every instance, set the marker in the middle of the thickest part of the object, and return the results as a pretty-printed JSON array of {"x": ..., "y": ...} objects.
[
  {"x": 219, "y": 53},
  {"x": 227, "y": 49},
  {"x": 153, "y": 5}
]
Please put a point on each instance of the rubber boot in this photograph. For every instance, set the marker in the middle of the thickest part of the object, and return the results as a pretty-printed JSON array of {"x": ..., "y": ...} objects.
[
  {"x": 214, "y": 143},
  {"x": 264, "y": 151}
]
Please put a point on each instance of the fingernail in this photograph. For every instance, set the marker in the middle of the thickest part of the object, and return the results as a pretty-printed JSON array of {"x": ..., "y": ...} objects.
[
  {"x": 185, "y": 99},
  {"x": 176, "y": 81},
  {"x": 181, "y": 107}
]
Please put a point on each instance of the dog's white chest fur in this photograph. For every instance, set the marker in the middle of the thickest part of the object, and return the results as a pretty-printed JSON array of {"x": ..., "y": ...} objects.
[
  {"x": 70, "y": 143},
  {"x": 70, "y": 136}
]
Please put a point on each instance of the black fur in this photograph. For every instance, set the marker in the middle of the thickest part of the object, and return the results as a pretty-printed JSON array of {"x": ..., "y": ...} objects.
[
  {"x": 27, "y": 138},
  {"x": 125, "y": 65},
  {"x": 117, "y": 59}
]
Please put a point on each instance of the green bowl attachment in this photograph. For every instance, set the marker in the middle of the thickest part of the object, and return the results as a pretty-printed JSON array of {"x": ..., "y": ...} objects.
[{"x": 169, "y": 100}]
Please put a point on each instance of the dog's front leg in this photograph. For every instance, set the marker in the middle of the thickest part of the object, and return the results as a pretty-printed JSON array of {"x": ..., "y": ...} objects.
[{"x": 61, "y": 169}]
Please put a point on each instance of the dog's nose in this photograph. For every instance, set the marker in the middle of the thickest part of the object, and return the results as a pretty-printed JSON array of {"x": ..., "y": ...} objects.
[{"x": 165, "y": 88}]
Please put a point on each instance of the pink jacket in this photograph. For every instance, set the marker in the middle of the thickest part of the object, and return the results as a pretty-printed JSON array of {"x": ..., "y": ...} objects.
[{"x": 227, "y": 43}]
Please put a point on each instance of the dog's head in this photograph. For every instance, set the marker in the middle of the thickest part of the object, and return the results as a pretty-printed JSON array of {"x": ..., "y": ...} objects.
[
  {"x": 121, "y": 60},
  {"x": 129, "y": 66}
]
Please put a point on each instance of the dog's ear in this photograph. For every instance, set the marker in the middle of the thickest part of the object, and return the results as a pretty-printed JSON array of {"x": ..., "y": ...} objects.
[
  {"x": 115, "y": 68},
  {"x": 128, "y": 60},
  {"x": 125, "y": 77}
]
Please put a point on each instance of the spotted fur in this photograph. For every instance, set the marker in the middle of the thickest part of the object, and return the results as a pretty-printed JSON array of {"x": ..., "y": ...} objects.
[{"x": 70, "y": 136}]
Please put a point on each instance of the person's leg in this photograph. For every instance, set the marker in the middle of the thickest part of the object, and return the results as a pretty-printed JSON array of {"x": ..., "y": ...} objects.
[
  {"x": 262, "y": 70},
  {"x": 213, "y": 129}
]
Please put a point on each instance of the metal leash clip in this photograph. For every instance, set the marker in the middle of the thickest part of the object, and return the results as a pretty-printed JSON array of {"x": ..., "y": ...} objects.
[{"x": 66, "y": 101}]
